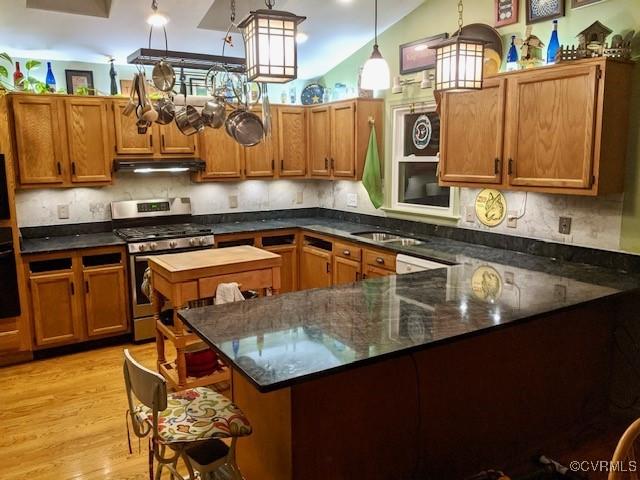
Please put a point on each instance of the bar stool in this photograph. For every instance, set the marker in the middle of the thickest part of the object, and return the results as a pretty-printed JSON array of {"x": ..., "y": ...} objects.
[
  {"x": 185, "y": 425},
  {"x": 626, "y": 452}
]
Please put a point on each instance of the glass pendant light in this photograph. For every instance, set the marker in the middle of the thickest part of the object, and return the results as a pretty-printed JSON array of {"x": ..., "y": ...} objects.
[
  {"x": 157, "y": 19},
  {"x": 459, "y": 61},
  {"x": 270, "y": 44},
  {"x": 375, "y": 73}
]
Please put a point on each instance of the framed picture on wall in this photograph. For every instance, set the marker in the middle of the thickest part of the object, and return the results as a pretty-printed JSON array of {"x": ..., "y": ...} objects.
[
  {"x": 584, "y": 3},
  {"x": 544, "y": 10},
  {"x": 506, "y": 12},
  {"x": 418, "y": 56},
  {"x": 80, "y": 81}
]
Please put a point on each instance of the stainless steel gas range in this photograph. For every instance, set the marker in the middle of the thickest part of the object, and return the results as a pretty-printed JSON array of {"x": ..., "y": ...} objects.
[{"x": 154, "y": 227}]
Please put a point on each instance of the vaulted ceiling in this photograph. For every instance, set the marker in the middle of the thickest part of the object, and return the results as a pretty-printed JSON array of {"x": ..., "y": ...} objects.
[{"x": 95, "y": 30}]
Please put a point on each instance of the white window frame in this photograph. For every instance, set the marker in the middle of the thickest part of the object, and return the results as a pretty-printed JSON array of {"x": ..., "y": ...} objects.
[{"x": 398, "y": 157}]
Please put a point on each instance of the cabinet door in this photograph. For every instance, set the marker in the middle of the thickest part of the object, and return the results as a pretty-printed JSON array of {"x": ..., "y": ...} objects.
[
  {"x": 550, "y": 124},
  {"x": 289, "y": 268},
  {"x": 88, "y": 139},
  {"x": 292, "y": 144},
  {"x": 343, "y": 139},
  {"x": 56, "y": 316},
  {"x": 128, "y": 140},
  {"x": 223, "y": 155},
  {"x": 345, "y": 270},
  {"x": 320, "y": 141},
  {"x": 374, "y": 272},
  {"x": 105, "y": 300},
  {"x": 39, "y": 127},
  {"x": 172, "y": 141},
  {"x": 259, "y": 160},
  {"x": 315, "y": 268},
  {"x": 472, "y": 135}
]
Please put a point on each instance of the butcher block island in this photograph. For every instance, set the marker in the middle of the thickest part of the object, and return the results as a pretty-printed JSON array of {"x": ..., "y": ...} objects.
[{"x": 182, "y": 278}]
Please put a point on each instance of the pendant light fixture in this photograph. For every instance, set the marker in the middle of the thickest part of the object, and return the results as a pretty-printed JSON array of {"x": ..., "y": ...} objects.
[
  {"x": 375, "y": 73},
  {"x": 459, "y": 60},
  {"x": 270, "y": 44},
  {"x": 157, "y": 19}
]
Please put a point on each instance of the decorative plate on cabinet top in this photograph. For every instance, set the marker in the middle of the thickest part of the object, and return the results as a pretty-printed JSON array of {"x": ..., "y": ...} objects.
[
  {"x": 312, "y": 94},
  {"x": 485, "y": 32},
  {"x": 491, "y": 207}
]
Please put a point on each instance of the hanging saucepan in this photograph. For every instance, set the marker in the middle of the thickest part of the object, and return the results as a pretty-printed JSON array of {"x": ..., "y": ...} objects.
[
  {"x": 189, "y": 120},
  {"x": 214, "y": 112},
  {"x": 245, "y": 127},
  {"x": 166, "y": 111}
]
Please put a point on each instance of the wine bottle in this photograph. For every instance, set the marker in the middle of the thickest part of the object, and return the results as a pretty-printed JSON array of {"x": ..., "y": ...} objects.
[
  {"x": 512, "y": 56},
  {"x": 18, "y": 77},
  {"x": 554, "y": 44},
  {"x": 51, "y": 80}
]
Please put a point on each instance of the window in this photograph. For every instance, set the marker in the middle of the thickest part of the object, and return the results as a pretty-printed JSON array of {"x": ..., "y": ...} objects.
[{"x": 414, "y": 175}]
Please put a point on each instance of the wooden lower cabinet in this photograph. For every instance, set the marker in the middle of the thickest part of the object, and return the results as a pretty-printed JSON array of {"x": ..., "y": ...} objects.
[
  {"x": 105, "y": 300},
  {"x": 289, "y": 268},
  {"x": 369, "y": 271},
  {"x": 315, "y": 268},
  {"x": 346, "y": 270},
  {"x": 77, "y": 295},
  {"x": 56, "y": 310}
]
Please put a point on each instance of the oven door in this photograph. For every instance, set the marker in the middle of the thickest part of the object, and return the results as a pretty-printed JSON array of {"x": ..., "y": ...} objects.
[{"x": 9, "y": 296}]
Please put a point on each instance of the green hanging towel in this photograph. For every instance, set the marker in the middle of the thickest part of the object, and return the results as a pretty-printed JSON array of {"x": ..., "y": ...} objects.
[{"x": 371, "y": 177}]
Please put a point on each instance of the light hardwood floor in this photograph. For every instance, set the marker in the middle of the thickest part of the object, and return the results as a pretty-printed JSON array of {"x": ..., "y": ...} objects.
[{"x": 64, "y": 418}]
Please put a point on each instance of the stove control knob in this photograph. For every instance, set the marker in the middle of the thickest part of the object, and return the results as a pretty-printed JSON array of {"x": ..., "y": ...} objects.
[
  {"x": 141, "y": 248},
  {"x": 153, "y": 246},
  {"x": 193, "y": 242},
  {"x": 173, "y": 244}
]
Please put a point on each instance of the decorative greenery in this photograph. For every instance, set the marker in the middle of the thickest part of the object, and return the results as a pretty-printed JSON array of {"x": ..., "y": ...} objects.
[
  {"x": 28, "y": 83},
  {"x": 4, "y": 71}
]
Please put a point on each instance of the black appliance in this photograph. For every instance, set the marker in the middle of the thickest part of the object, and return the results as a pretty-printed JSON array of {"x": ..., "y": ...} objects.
[
  {"x": 9, "y": 295},
  {"x": 4, "y": 191}
]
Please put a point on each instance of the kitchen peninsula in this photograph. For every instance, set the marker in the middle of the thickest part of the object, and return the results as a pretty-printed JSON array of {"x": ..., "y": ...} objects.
[{"x": 355, "y": 381}]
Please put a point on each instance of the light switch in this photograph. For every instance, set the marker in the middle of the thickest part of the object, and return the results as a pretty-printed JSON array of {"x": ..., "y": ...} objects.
[
  {"x": 299, "y": 197},
  {"x": 63, "y": 212},
  {"x": 470, "y": 214},
  {"x": 233, "y": 201},
  {"x": 512, "y": 219},
  {"x": 352, "y": 200}
]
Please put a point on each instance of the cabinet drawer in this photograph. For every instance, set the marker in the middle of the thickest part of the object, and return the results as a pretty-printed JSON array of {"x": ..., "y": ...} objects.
[
  {"x": 346, "y": 250},
  {"x": 380, "y": 259}
]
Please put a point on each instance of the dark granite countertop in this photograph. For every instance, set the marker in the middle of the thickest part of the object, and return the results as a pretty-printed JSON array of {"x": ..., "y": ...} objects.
[
  {"x": 279, "y": 341},
  {"x": 69, "y": 242}
]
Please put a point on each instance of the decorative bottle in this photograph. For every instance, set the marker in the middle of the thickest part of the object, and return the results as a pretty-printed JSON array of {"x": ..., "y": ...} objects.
[
  {"x": 554, "y": 44},
  {"x": 113, "y": 74},
  {"x": 18, "y": 77},
  {"x": 51, "y": 80},
  {"x": 512, "y": 56}
]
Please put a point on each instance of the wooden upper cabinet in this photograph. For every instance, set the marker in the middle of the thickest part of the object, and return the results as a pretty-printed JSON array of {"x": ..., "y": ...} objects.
[
  {"x": 105, "y": 300},
  {"x": 551, "y": 121},
  {"x": 320, "y": 141},
  {"x": 292, "y": 144},
  {"x": 260, "y": 160},
  {"x": 565, "y": 130},
  {"x": 222, "y": 155},
  {"x": 56, "y": 313},
  {"x": 128, "y": 140},
  {"x": 472, "y": 135},
  {"x": 88, "y": 138},
  {"x": 39, "y": 128},
  {"x": 343, "y": 137},
  {"x": 173, "y": 141}
]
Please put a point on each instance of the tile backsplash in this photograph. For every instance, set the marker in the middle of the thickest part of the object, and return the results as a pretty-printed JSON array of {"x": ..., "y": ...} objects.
[{"x": 596, "y": 222}]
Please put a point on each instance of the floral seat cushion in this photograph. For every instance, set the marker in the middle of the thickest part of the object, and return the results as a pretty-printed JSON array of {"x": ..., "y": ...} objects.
[{"x": 197, "y": 414}]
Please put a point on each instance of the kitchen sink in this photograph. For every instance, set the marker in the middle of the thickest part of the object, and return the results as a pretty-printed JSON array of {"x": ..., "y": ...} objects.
[{"x": 390, "y": 238}]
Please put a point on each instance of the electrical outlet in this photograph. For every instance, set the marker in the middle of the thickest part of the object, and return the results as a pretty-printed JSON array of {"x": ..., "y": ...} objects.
[
  {"x": 512, "y": 219},
  {"x": 299, "y": 197},
  {"x": 564, "y": 226},
  {"x": 233, "y": 201},
  {"x": 352, "y": 200},
  {"x": 470, "y": 214},
  {"x": 63, "y": 212}
]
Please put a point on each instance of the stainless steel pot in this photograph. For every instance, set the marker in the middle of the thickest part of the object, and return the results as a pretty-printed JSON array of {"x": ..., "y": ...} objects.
[
  {"x": 189, "y": 121},
  {"x": 163, "y": 76},
  {"x": 214, "y": 113},
  {"x": 166, "y": 111},
  {"x": 245, "y": 127}
]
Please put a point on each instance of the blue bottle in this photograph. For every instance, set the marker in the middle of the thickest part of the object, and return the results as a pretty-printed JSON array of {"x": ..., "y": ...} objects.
[
  {"x": 512, "y": 56},
  {"x": 554, "y": 44},
  {"x": 51, "y": 80}
]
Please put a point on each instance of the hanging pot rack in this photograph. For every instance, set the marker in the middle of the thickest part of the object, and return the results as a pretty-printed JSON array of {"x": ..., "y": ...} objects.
[{"x": 188, "y": 60}]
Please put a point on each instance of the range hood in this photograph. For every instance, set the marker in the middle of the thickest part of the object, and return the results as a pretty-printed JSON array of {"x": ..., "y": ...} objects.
[{"x": 150, "y": 165}]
